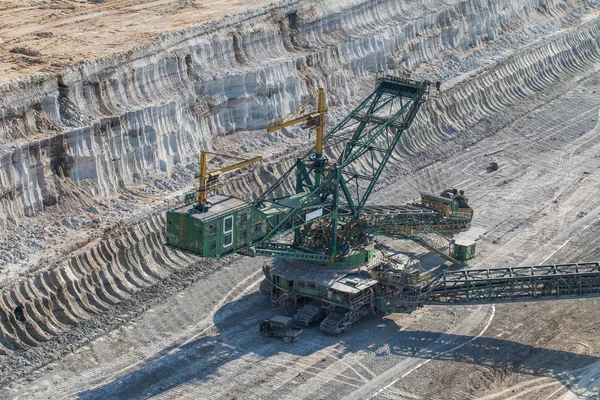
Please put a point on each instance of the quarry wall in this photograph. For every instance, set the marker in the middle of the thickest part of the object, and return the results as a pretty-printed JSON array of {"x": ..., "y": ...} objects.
[{"x": 111, "y": 123}]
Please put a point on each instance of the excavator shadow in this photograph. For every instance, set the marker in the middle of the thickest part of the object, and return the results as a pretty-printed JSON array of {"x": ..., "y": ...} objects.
[{"x": 210, "y": 364}]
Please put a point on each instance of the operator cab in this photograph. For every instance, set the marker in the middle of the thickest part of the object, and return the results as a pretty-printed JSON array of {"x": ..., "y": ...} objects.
[{"x": 224, "y": 226}]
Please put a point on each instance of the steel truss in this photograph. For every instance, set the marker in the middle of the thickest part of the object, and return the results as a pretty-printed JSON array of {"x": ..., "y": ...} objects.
[
  {"x": 363, "y": 141},
  {"x": 514, "y": 283}
]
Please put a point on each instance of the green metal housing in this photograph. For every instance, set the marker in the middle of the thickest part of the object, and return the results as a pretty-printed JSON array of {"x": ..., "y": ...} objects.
[
  {"x": 327, "y": 215},
  {"x": 329, "y": 262},
  {"x": 228, "y": 226},
  {"x": 464, "y": 251}
]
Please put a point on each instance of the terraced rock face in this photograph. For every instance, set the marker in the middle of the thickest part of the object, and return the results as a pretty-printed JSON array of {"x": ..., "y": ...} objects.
[
  {"x": 88, "y": 156},
  {"x": 112, "y": 123}
]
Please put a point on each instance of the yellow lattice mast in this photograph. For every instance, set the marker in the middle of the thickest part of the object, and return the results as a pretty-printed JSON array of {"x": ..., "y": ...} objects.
[
  {"x": 208, "y": 180},
  {"x": 314, "y": 120}
]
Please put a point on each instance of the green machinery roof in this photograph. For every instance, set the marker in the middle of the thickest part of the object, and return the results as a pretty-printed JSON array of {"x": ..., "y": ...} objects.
[{"x": 219, "y": 206}]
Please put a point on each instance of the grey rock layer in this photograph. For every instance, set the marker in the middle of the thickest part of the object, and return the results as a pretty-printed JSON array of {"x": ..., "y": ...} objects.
[{"x": 117, "y": 121}]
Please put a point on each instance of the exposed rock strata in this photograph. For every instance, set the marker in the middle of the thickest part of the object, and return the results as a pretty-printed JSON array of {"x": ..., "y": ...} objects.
[
  {"x": 114, "y": 122},
  {"x": 109, "y": 124}
]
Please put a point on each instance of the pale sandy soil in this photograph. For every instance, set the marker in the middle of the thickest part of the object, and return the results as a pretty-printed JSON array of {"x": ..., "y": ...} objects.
[{"x": 59, "y": 33}]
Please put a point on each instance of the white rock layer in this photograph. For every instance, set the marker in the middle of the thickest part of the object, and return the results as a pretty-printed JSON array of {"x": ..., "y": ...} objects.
[{"x": 111, "y": 123}]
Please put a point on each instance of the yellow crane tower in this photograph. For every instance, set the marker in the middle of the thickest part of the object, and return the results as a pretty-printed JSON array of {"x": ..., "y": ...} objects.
[
  {"x": 208, "y": 180},
  {"x": 314, "y": 120}
]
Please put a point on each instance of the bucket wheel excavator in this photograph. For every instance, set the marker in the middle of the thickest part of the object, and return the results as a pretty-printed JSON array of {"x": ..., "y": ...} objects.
[{"x": 329, "y": 269}]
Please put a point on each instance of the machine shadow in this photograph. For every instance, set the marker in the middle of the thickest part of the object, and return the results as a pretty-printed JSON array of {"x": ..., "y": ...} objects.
[{"x": 237, "y": 336}]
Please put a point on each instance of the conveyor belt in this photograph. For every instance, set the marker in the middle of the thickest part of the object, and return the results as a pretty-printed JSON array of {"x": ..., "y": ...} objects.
[
  {"x": 514, "y": 283},
  {"x": 408, "y": 220}
]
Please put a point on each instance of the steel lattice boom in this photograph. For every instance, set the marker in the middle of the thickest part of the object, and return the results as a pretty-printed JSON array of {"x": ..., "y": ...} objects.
[
  {"x": 328, "y": 213},
  {"x": 514, "y": 283},
  {"x": 545, "y": 282},
  {"x": 333, "y": 194}
]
